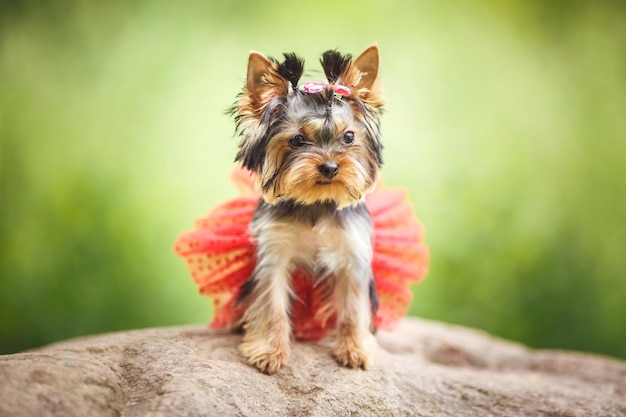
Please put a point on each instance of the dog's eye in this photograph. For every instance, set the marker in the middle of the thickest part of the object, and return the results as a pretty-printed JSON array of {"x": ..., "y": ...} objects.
[
  {"x": 297, "y": 141},
  {"x": 348, "y": 138}
]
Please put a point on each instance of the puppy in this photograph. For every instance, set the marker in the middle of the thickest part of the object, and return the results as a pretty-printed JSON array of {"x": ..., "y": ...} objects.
[{"x": 316, "y": 151}]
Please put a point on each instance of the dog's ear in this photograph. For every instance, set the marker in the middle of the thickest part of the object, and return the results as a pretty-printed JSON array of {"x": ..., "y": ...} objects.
[
  {"x": 360, "y": 74},
  {"x": 268, "y": 82},
  {"x": 366, "y": 81},
  {"x": 263, "y": 82},
  {"x": 367, "y": 64},
  {"x": 258, "y": 67}
]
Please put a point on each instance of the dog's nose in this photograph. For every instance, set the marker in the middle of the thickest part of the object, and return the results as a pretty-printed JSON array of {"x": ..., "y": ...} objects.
[{"x": 329, "y": 169}]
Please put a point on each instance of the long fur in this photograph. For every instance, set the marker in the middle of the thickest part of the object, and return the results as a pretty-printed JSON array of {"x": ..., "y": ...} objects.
[{"x": 309, "y": 218}]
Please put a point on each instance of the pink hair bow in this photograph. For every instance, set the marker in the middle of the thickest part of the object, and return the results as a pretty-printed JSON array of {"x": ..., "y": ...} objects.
[{"x": 313, "y": 87}]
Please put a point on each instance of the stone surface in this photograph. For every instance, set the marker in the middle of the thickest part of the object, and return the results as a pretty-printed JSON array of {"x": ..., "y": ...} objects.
[{"x": 422, "y": 369}]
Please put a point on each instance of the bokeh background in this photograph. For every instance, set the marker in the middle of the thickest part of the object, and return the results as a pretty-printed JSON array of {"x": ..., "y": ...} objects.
[{"x": 505, "y": 120}]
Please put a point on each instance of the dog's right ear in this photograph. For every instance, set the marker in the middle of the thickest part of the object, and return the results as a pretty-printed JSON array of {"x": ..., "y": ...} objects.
[
  {"x": 263, "y": 82},
  {"x": 268, "y": 83},
  {"x": 259, "y": 70}
]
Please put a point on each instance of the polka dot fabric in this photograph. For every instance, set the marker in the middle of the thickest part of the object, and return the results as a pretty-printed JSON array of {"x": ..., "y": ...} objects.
[{"x": 220, "y": 256}]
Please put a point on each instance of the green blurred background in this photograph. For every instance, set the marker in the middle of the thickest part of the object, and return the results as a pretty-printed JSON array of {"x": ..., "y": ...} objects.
[{"x": 505, "y": 120}]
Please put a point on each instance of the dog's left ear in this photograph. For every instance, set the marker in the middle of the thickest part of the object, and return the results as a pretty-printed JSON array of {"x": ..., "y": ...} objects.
[
  {"x": 367, "y": 86},
  {"x": 360, "y": 74},
  {"x": 367, "y": 64}
]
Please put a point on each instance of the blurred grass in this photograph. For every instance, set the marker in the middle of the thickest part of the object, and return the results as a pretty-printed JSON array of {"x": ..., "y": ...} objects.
[{"x": 504, "y": 120}]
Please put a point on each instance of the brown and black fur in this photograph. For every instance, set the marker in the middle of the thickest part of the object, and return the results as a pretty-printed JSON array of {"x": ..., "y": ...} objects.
[{"x": 316, "y": 156}]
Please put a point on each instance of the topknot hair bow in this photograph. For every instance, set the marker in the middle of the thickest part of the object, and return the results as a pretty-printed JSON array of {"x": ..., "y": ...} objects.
[{"x": 313, "y": 87}]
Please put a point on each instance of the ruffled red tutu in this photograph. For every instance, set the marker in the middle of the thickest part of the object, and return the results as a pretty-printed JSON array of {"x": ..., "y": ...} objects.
[{"x": 221, "y": 257}]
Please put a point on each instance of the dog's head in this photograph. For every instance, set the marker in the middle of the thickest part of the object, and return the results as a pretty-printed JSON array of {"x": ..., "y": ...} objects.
[{"x": 319, "y": 142}]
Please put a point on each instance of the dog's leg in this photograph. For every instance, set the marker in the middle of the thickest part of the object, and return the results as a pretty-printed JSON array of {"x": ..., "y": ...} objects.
[
  {"x": 354, "y": 344},
  {"x": 266, "y": 321},
  {"x": 349, "y": 255}
]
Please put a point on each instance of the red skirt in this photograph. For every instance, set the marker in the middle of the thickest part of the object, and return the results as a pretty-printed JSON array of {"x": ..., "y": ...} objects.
[{"x": 220, "y": 256}]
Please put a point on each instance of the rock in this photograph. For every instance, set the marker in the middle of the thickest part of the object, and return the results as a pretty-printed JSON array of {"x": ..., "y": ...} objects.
[{"x": 422, "y": 369}]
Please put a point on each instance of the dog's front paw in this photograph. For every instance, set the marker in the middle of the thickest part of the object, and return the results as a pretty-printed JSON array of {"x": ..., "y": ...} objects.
[
  {"x": 267, "y": 356},
  {"x": 354, "y": 353}
]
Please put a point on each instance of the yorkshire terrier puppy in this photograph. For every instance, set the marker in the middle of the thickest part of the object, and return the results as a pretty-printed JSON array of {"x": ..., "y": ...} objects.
[{"x": 316, "y": 151}]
